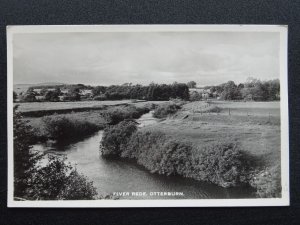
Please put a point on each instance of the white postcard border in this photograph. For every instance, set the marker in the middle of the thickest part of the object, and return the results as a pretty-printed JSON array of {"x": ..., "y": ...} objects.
[{"x": 283, "y": 201}]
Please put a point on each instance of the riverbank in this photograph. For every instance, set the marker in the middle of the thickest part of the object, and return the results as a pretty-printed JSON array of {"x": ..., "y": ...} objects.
[{"x": 74, "y": 125}]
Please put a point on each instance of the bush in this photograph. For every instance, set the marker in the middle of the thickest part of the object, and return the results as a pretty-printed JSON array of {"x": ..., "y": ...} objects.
[
  {"x": 116, "y": 136},
  {"x": 164, "y": 110},
  {"x": 115, "y": 115},
  {"x": 158, "y": 153},
  {"x": 60, "y": 181},
  {"x": 61, "y": 128},
  {"x": 267, "y": 182},
  {"x": 222, "y": 164}
]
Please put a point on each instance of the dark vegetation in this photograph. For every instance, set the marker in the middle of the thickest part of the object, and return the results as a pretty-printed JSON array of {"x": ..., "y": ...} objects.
[
  {"x": 114, "y": 115},
  {"x": 152, "y": 92},
  {"x": 191, "y": 84},
  {"x": 165, "y": 110},
  {"x": 267, "y": 182},
  {"x": 115, "y": 137},
  {"x": 224, "y": 163},
  {"x": 252, "y": 89},
  {"x": 61, "y": 128},
  {"x": 54, "y": 181},
  {"x": 72, "y": 127}
]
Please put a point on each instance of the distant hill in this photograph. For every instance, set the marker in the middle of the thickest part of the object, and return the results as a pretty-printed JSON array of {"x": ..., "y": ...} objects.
[
  {"x": 18, "y": 88},
  {"x": 48, "y": 84}
]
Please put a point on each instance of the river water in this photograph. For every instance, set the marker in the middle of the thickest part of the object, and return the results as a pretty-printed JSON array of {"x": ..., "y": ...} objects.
[{"x": 114, "y": 175}]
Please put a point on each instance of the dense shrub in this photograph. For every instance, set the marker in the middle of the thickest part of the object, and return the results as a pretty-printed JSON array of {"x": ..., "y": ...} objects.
[
  {"x": 165, "y": 109},
  {"x": 221, "y": 163},
  {"x": 158, "y": 153},
  {"x": 61, "y": 128},
  {"x": 116, "y": 136},
  {"x": 115, "y": 115},
  {"x": 267, "y": 182},
  {"x": 58, "y": 180}
]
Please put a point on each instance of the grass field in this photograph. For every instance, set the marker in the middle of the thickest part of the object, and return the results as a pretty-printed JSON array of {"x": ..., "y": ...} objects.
[
  {"x": 38, "y": 109},
  {"x": 36, "y": 106}
]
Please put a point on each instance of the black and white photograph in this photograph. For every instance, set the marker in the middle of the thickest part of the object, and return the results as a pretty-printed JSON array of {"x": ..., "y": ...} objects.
[{"x": 147, "y": 116}]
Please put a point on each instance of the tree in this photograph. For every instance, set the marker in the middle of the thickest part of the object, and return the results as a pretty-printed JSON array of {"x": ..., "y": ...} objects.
[
  {"x": 73, "y": 94},
  {"x": 98, "y": 90},
  {"x": 25, "y": 160},
  {"x": 30, "y": 95},
  {"x": 230, "y": 91},
  {"x": 195, "y": 96},
  {"x": 191, "y": 84},
  {"x": 60, "y": 181},
  {"x": 43, "y": 91},
  {"x": 54, "y": 181},
  {"x": 52, "y": 96}
]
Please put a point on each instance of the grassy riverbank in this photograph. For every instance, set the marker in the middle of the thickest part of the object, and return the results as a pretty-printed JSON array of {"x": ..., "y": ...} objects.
[
  {"x": 254, "y": 126},
  {"x": 76, "y": 125}
]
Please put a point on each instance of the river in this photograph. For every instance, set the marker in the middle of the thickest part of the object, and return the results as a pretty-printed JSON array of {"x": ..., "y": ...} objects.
[{"x": 113, "y": 175}]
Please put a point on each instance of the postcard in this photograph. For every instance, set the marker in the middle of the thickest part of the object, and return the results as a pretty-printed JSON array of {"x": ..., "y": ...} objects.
[{"x": 147, "y": 116}]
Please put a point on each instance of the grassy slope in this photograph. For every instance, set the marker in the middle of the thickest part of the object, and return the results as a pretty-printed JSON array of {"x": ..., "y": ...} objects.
[{"x": 258, "y": 135}]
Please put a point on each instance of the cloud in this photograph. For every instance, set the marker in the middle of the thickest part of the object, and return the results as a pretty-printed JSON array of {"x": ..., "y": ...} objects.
[{"x": 110, "y": 58}]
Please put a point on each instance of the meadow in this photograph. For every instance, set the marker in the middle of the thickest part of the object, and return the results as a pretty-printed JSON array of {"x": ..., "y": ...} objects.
[
  {"x": 36, "y": 106},
  {"x": 255, "y": 125}
]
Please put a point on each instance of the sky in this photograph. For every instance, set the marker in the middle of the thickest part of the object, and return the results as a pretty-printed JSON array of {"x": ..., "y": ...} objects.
[{"x": 208, "y": 58}]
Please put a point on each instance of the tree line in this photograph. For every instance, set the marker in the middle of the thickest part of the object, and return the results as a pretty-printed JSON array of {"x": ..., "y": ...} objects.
[
  {"x": 152, "y": 92},
  {"x": 252, "y": 89}
]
